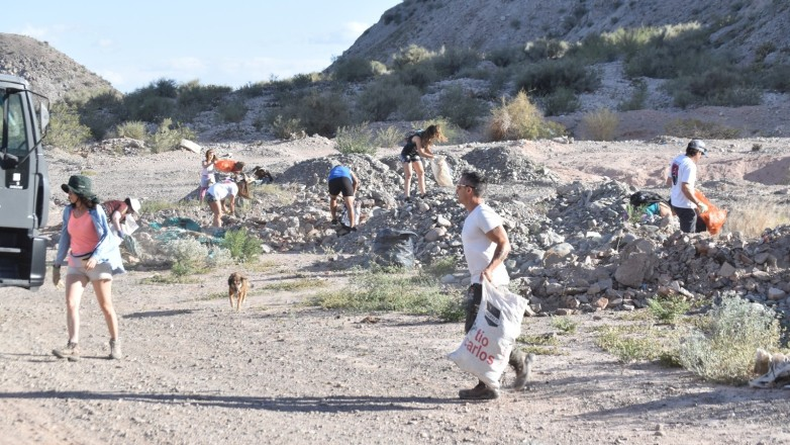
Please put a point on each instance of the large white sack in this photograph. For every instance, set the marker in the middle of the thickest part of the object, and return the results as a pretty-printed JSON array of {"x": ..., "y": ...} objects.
[
  {"x": 441, "y": 171},
  {"x": 485, "y": 350}
]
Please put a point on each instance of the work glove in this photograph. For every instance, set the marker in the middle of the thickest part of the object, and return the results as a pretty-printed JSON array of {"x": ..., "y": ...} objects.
[
  {"x": 56, "y": 276},
  {"x": 702, "y": 207}
]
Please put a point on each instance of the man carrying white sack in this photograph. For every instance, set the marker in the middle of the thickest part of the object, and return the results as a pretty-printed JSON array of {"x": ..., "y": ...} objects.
[{"x": 486, "y": 247}]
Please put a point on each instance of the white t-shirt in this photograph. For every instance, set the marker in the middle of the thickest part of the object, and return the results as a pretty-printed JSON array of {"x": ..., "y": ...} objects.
[
  {"x": 478, "y": 249},
  {"x": 221, "y": 190},
  {"x": 207, "y": 170},
  {"x": 683, "y": 169}
]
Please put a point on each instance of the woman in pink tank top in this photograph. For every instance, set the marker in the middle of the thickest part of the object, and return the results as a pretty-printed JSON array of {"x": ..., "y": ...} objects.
[{"x": 92, "y": 255}]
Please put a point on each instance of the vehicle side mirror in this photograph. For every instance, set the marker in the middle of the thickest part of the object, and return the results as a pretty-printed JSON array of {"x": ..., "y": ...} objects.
[{"x": 8, "y": 162}]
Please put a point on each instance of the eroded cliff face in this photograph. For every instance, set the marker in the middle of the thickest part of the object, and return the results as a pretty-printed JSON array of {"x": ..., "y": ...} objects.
[{"x": 748, "y": 29}]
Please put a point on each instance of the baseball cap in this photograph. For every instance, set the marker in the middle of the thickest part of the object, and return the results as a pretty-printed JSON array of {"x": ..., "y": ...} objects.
[{"x": 698, "y": 145}]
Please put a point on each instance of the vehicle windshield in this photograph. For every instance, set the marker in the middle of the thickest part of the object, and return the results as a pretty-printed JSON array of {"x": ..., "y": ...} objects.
[{"x": 12, "y": 125}]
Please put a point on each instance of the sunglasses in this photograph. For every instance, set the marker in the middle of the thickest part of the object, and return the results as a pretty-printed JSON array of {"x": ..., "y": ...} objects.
[{"x": 464, "y": 185}]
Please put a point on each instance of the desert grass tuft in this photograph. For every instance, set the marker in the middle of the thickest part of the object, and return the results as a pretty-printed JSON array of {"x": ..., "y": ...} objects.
[
  {"x": 753, "y": 217},
  {"x": 395, "y": 291},
  {"x": 601, "y": 124}
]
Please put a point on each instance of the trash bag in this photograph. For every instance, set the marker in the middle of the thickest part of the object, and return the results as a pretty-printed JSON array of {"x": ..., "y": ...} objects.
[
  {"x": 394, "y": 247},
  {"x": 344, "y": 217},
  {"x": 485, "y": 349},
  {"x": 441, "y": 171},
  {"x": 714, "y": 218},
  {"x": 225, "y": 165},
  {"x": 643, "y": 197}
]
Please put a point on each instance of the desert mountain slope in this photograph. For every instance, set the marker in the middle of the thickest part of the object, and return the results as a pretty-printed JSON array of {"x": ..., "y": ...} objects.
[
  {"x": 49, "y": 71},
  {"x": 750, "y": 27}
]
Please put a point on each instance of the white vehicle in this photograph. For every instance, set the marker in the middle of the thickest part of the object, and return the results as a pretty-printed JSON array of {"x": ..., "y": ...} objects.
[{"x": 24, "y": 184}]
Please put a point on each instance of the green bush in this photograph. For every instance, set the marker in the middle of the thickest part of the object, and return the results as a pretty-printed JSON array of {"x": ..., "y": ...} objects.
[
  {"x": 243, "y": 246},
  {"x": 194, "y": 98},
  {"x": 355, "y": 139},
  {"x": 380, "y": 99},
  {"x": 561, "y": 101},
  {"x": 519, "y": 118},
  {"x": 715, "y": 87},
  {"x": 723, "y": 349},
  {"x": 776, "y": 78},
  {"x": 131, "y": 129},
  {"x": 638, "y": 98},
  {"x": 411, "y": 55},
  {"x": 420, "y": 75},
  {"x": 232, "y": 111},
  {"x": 544, "y": 78},
  {"x": 323, "y": 113},
  {"x": 506, "y": 56},
  {"x": 286, "y": 128},
  {"x": 101, "y": 112},
  {"x": 168, "y": 136},
  {"x": 353, "y": 69},
  {"x": 546, "y": 48},
  {"x": 250, "y": 89},
  {"x": 65, "y": 130},
  {"x": 601, "y": 124},
  {"x": 668, "y": 310},
  {"x": 460, "y": 107},
  {"x": 451, "y": 62},
  {"x": 153, "y": 103}
]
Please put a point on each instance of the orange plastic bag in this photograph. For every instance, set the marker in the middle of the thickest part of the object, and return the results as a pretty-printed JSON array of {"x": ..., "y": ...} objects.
[
  {"x": 714, "y": 218},
  {"x": 225, "y": 165}
]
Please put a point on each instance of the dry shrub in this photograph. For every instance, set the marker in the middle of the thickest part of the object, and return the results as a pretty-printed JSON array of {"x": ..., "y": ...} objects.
[
  {"x": 601, "y": 124},
  {"x": 752, "y": 218},
  {"x": 519, "y": 118},
  {"x": 694, "y": 128},
  {"x": 723, "y": 350}
]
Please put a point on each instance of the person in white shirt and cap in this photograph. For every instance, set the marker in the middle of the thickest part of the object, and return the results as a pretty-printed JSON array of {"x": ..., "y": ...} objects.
[{"x": 683, "y": 177}]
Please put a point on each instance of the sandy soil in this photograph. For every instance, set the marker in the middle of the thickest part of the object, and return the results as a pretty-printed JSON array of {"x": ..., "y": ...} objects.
[{"x": 197, "y": 372}]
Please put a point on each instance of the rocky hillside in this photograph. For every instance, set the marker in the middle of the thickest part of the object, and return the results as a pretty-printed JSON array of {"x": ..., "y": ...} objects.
[
  {"x": 49, "y": 71},
  {"x": 749, "y": 26}
]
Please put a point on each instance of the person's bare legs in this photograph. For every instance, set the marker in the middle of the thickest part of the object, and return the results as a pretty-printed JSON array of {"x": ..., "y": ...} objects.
[
  {"x": 333, "y": 206},
  {"x": 103, "y": 290},
  {"x": 75, "y": 286},
  {"x": 350, "y": 206},
  {"x": 216, "y": 208},
  {"x": 420, "y": 172},
  {"x": 407, "y": 178}
]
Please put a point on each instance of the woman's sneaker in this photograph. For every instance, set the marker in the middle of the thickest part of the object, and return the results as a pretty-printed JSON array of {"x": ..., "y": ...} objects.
[
  {"x": 115, "y": 350},
  {"x": 70, "y": 352}
]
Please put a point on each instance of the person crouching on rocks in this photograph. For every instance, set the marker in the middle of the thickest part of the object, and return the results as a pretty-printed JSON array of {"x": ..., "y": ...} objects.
[
  {"x": 93, "y": 256},
  {"x": 222, "y": 193},
  {"x": 343, "y": 180}
]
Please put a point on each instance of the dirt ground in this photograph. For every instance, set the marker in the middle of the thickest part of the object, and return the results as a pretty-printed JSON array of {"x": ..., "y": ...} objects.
[{"x": 282, "y": 372}]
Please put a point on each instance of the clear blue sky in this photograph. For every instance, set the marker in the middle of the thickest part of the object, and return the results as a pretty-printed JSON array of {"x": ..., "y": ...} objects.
[{"x": 230, "y": 42}]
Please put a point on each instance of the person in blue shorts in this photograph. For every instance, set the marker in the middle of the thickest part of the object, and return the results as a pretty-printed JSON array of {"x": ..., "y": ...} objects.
[{"x": 343, "y": 180}]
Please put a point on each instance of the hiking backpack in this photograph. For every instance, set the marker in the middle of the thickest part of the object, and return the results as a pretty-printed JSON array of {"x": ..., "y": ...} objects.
[{"x": 642, "y": 197}]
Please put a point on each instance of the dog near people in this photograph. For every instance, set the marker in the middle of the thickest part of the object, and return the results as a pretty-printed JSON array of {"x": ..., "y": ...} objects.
[{"x": 238, "y": 285}]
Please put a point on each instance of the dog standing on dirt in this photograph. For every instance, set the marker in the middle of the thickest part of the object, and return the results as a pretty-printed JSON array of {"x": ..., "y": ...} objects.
[{"x": 238, "y": 285}]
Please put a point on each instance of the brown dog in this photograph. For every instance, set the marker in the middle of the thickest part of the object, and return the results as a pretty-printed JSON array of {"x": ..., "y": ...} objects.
[{"x": 238, "y": 285}]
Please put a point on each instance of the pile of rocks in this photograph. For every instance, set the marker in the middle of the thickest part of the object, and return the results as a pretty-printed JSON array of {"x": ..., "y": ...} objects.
[{"x": 574, "y": 247}]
